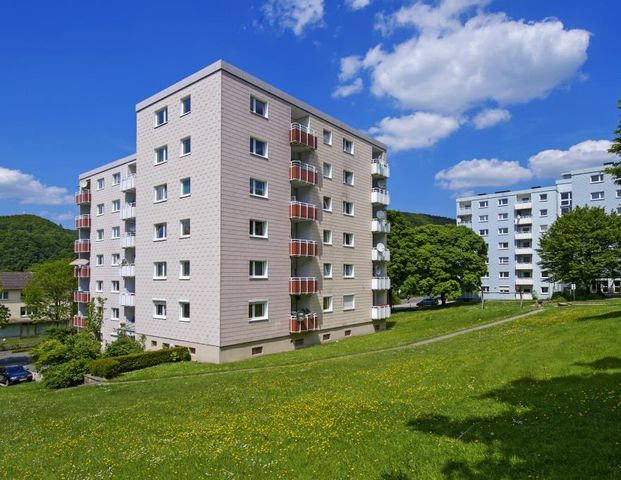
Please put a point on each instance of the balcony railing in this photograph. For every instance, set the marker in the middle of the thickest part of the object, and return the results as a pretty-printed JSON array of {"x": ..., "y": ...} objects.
[
  {"x": 524, "y": 220},
  {"x": 380, "y": 312},
  {"x": 302, "y": 248},
  {"x": 303, "y": 322},
  {"x": 380, "y": 283},
  {"x": 524, "y": 235},
  {"x": 129, "y": 211},
  {"x": 524, "y": 250},
  {"x": 128, "y": 183},
  {"x": 523, "y": 281},
  {"x": 302, "y": 173},
  {"x": 302, "y": 285},
  {"x": 380, "y": 196},
  {"x": 128, "y": 270},
  {"x": 301, "y": 135},
  {"x": 378, "y": 256},
  {"x": 82, "y": 272},
  {"x": 81, "y": 296},
  {"x": 127, "y": 299},
  {"x": 380, "y": 226},
  {"x": 380, "y": 169},
  {"x": 82, "y": 246},
  {"x": 128, "y": 240},
  {"x": 524, "y": 205},
  {"x": 523, "y": 266},
  {"x": 79, "y": 322},
  {"x": 83, "y": 196},
  {"x": 302, "y": 211},
  {"x": 83, "y": 221}
]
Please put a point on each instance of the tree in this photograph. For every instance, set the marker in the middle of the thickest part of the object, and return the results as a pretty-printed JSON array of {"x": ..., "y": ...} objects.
[
  {"x": 615, "y": 148},
  {"x": 94, "y": 318},
  {"x": 5, "y": 313},
  {"x": 400, "y": 246},
  {"x": 581, "y": 246},
  {"x": 49, "y": 295}
]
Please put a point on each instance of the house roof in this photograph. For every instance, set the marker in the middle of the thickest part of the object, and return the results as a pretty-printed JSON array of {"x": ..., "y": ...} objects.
[{"x": 14, "y": 280}]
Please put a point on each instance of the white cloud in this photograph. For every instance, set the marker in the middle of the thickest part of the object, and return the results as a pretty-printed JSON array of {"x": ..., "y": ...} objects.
[
  {"x": 590, "y": 153},
  {"x": 62, "y": 217},
  {"x": 482, "y": 173},
  {"x": 27, "y": 190},
  {"x": 295, "y": 15},
  {"x": 357, "y": 4},
  {"x": 489, "y": 117},
  {"x": 419, "y": 130},
  {"x": 348, "y": 89},
  {"x": 350, "y": 67}
]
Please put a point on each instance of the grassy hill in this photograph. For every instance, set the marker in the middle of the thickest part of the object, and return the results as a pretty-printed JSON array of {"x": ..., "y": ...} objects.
[
  {"x": 28, "y": 239},
  {"x": 418, "y": 219}
]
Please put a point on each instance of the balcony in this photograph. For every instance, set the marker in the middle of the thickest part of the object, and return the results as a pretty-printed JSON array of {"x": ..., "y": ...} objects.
[
  {"x": 380, "y": 312},
  {"x": 128, "y": 240},
  {"x": 128, "y": 270},
  {"x": 82, "y": 246},
  {"x": 523, "y": 205},
  {"x": 464, "y": 210},
  {"x": 524, "y": 250},
  {"x": 302, "y": 285},
  {"x": 129, "y": 183},
  {"x": 82, "y": 272},
  {"x": 302, "y": 174},
  {"x": 128, "y": 211},
  {"x": 80, "y": 296},
  {"x": 380, "y": 256},
  {"x": 303, "y": 323},
  {"x": 524, "y": 220},
  {"x": 83, "y": 221},
  {"x": 83, "y": 197},
  {"x": 380, "y": 169},
  {"x": 523, "y": 266},
  {"x": 380, "y": 196},
  {"x": 302, "y": 248},
  {"x": 524, "y": 236},
  {"x": 301, "y": 135},
  {"x": 127, "y": 299},
  {"x": 380, "y": 226},
  {"x": 300, "y": 211},
  {"x": 523, "y": 281},
  {"x": 380, "y": 283},
  {"x": 78, "y": 322}
]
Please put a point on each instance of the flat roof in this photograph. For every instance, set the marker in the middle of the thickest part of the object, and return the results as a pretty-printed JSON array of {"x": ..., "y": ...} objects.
[
  {"x": 581, "y": 171},
  {"x": 108, "y": 166},
  {"x": 254, "y": 81},
  {"x": 506, "y": 193}
]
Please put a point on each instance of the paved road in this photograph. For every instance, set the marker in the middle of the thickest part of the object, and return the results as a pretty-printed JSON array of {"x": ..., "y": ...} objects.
[{"x": 18, "y": 358}]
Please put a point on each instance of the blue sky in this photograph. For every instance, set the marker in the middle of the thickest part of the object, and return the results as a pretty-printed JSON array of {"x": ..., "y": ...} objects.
[{"x": 471, "y": 95}]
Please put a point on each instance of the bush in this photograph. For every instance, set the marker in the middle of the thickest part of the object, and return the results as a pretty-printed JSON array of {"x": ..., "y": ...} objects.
[
  {"x": 112, "y": 366},
  {"x": 66, "y": 374},
  {"x": 60, "y": 333},
  {"x": 82, "y": 345},
  {"x": 49, "y": 352},
  {"x": 558, "y": 297},
  {"x": 123, "y": 345}
]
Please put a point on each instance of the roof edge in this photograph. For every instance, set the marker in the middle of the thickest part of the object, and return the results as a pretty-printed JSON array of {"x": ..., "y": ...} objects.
[{"x": 108, "y": 166}]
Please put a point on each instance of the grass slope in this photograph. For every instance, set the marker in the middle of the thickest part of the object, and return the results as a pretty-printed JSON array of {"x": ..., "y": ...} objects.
[{"x": 537, "y": 398}]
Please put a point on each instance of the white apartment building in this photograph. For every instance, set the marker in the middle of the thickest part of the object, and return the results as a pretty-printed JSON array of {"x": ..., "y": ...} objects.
[
  {"x": 247, "y": 222},
  {"x": 511, "y": 222}
]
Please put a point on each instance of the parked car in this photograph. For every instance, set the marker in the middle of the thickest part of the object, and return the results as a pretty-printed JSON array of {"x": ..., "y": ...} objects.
[
  {"x": 14, "y": 374},
  {"x": 428, "y": 302}
]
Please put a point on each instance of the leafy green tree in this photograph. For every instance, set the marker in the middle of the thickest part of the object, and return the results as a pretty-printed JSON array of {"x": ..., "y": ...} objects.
[
  {"x": 49, "y": 295},
  {"x": 615, "y": 170},
  {"x": 400, "y": 245},
  {"x": 581, "y": 246},
  {"x": 94, "y": 317}
]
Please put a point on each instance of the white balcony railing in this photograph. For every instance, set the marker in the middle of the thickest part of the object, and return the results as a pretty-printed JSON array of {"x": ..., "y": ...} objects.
[
  {"x": 380, "y": 283},
  {"x": 128, "y": 211},
  {"x": 127, "y": 299},
  {"x": 128, "y": 271},
  {"x": 524, "y": 220},
  {"x": 524, "y": 250},
  {"x": 523, "y": 266},
  {"x": 377, "y": 256},
  {"x": 128, "y": 183},
  {"x": 128, "y": 240},
  {"x": 380, "y": 226},
  {"x": 380, "y": 169},
  {"x": 380, "y": 196},
  {"x": 524, "y": 235},
  {"x": 523, "y": 205},
  {"x": 523, "y": 281},
  {"x": 380, "y": 312}
]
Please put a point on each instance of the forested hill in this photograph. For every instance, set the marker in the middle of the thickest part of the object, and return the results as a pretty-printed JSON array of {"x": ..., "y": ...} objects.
[
  {"x": 28, "y": 239},
  {"x": 418, "y": 219}
]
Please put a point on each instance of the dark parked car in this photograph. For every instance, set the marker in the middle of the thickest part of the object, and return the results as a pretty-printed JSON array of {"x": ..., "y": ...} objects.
[
  {"x": 14, "y": 374},
  {"x": 428, "y": 302}
]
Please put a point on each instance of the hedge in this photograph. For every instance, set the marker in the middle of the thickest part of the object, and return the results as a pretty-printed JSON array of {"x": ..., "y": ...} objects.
[
  {"x": 65, "y": 374},
  {"x": 112, "y": 366}
]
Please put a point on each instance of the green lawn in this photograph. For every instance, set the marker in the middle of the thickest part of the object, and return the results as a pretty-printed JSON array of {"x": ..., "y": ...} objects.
[{"x": 536, "y": 398}]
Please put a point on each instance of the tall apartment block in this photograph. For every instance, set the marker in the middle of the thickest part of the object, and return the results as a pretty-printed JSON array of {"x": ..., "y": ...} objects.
[
  {"x": 511, "y": 222},
  {"x": 247, "y": 222}
]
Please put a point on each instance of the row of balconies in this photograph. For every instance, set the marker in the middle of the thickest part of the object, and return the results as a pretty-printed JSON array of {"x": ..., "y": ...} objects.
[{"x": 309, "y": 285}]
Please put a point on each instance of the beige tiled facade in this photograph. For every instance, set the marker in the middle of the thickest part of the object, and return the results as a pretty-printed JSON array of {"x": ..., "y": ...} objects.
[{"x": 220, "y": 166}]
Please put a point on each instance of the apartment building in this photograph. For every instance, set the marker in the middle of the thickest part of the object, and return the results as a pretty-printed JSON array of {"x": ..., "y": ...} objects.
[
  {"x": 511, "y": 222},
  {"x": 247, "y": 222}
]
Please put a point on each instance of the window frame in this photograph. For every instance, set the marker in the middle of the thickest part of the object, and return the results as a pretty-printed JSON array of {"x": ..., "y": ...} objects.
[
  {"x": 323, "y": 170},
  {"x": 265, "y": 316},
  {"x": 351, "y": 267},
  {"x": 323, "y": 204},
  {"x": 181, "y": 227},
  {"x": 353, "y": 307},
  {"x": 350, "y": 214},
  {"x": 329, "y": 132},
  {"x": 323, "y": 237},
  {"x": 181, "y": 275},
  {"x": 164, "y": 150},
  {"x": 345, "y": 175},
  {"x": 328, "y": 274},
  {"x": 330, "y": 307},
  {"x": 182, "y": 105},
  {"x": 254, "y": 222},
  {"x": 185, "y": 141},
  {"x": 253, "y": 182},
  {"x": 346, "y": 141},
  {"x": 155, "y": 231},
  {"x": 181, "y": 185},
  {"x": 253, "y": 102},
  {"x": 163, "y": 110},
  {"x": 253, "y": 147},
  {"x": 163, "y": 265},
  {"x": 252, "y": 275},
  {"x": 163, "y": 187},
  {"x": 353, "y": 240},
  {"x": 159, "y": 303},
  {"x": 182, "y": 317}
]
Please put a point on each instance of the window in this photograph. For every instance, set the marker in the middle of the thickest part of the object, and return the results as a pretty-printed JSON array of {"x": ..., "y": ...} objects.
[
  {"x": 258, "y": 147},
  {"x": 327, "y": 270},
  {"x": 545, "y": 274},
  {"x": 486, "y": 275},
  {"x": 186, "y": 146},
  {"x": 159, "y": 231},
  {"x": 348, "y": 177},
  {"x": 258, "y": 106},
  {"x": 503, "y": 260},
  {"x": 503, "y": 216},
  {"x": 161, "y": 155},
  {"x": 348, "y": 239},
  {"x": 484, "y": 232},
  {"x": 598, "y": 178},
  {"x": 257, "y": 269},
  {"x": 186, "y": 105},
  {"x": 159, "y": 309},
  {"x": 597, "y": 195},
  {"x": 503, "y": 274},
  {"x": 161, "y": 116},
  {"x": 114, "y": 313},
  {"x": 184, "y": 269},
  {"x": 116, "y": 232},
  {"x": 348, "y": 208},
  {"x": 99, "y": 260},
  {"x": 100, "y": 209},
  {"x": 327, "y": 237},
  {"x": 543, "y": 197},
  {"x": 116, "y": 206},
  {"x": 116, "y": 178},
  {"x": 348, "y": 146},
  {"x": 483, "y": 218},
  {"x": 116, "y": 286},
  {"x": 484, "y": 289},
  {"x": 543, "y": 228},
  {"x": 327, "y": 170},
  {"x": 99, "y": 286},
  {"x": 327, "y": 204},
  {"x": 502, "y": 202},
  {"x": 184, "y": 228},
  {"x": 503, "y": 245},
  {"x": 161, "y": 193},
  {"x": 184, "y": 311},
  {"x": 348, "y": 270},
  {"x": 116, "y": 259},
  {"x": 186, "y": 187},
  {"x": 327, "y": 137},
  {"x": 503, "y": 231},
  {"x": 328, "y": 304},
  {"x": 483, "y": 204},
  {"x": 160, "y": 270},
  {"x": 503, "y": 289},
  {"x": 4, "y": 295},
  {"x": 100, "y": 235},
  {"x": 543, "y": 212},
  {"x": 257, "y": 310},
  {"x": 258, "y": 188},
  {"x": 101, "y": 182},
  {"x": 349, "y": 301},
  {"x": 258, "y": 228}
]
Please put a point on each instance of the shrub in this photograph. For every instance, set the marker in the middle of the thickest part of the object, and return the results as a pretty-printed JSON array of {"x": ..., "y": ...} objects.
[
  {"x": 123, "y": 345},
  {"x": 66, "y": 374},
  {"x": 82, "y": 345},
  {"x": 49, "y": 352},
  {"x": 60, "y": 333},
  {"x": 103, "y": 367},
  {"x": 558, "y": 297}
]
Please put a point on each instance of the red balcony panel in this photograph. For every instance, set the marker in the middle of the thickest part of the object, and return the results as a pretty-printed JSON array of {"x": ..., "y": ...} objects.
[
  {"x": 303, "y": 173},
  {"x": 302, "y": 248},
  {"x": 302, "y": 285},
  {"x": 79, "y": 322},
  {"x": 83, "y": 221},
  {"x": 303, "y": 323},
  {"x": 81, "y": 297},
  {"x": 83, "y": 197},
  {"x": 82, "y": 272},
  {"x": 82, "y": 246},
  {"x": 302, "y": 135},
  {"x": 302, "y": 211}
]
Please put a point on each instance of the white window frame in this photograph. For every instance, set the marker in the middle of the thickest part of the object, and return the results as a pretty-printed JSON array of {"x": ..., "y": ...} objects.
[
  {"x": 116, "y": 233},
  {"x": 483, "y": 204},
  {"x": 330, "y": 307},
  {"x": 353, "y": 241},
  {"x": 99, "y": 285},
  {"x": 323, "y": 237},
  {"x": 600, "y": 196},
  {"x": 503, "y": 202},
  {"x": 116, "y": 259},
  {"x": 115, "y": 286},
  {"x": 253, "y": 106},
  {"x": 181, "y": 194},
  {"x": 182, "y": 318},
  {"x": 543, "y": 197},
  {"x": 483, "y": 218},
  {"x": 164, "y": 151},
  {"x": 327, "y": 170},
  {"x": 253, "y": 182},
  {"x": 599, "y": 178},
  {"x": 345, "y": 175},
  {"x": 100, "y": 209},
  {"x": 159, "y": 303},
  {"x": 182, "y": 105},
  {"x": 329, "y": 134},
  {"x": 500, "y": 246},
  {"x": 181, "y": 225},
  {"x": 116, "y": 205},
  {"x": 345, "y": 203},
  {"x": 503, "y": 231},
  {"x": 114, "y": 313},
  {"x": 266, "y": 306},
  {"x": 116, "y": 178},
  {"x": 101, "y": 183},
  {"x": 501, "y": 262},
  {"x": 349, "y": 266},
  {"x": 543, "y": 212},
  {"x": 252, "y": 264},
  {"x": 185, "y": 142},
  {"x": 503, "y": 216},
  {"x": 155, "y": 231},
  {"x": 327, "y": 270},
  {"x": 253, "y": 147},
  {"x": 346, "y": 143},
  {"x": 252, "y": 225},
  {"x": 323, "y": 204},
  {"x": 484, "y": 232},
  {"x": 162, "y": 188},
  {"x": 181, "y": 274},
  {"x": 164, "y": 121},
  {"x": 503, "y": 274},
  {"x": 99, "y": 235},
  {"x": 353, "y": 307},
  {"x": 160, "y": 266}
]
